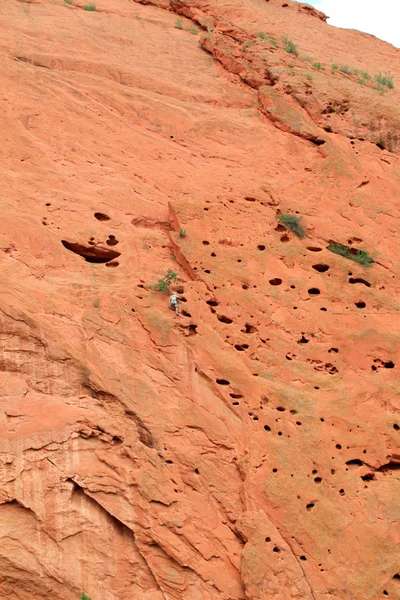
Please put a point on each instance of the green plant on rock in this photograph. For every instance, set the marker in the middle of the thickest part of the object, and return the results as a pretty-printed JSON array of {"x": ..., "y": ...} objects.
[
  {"x": 164, "y": 282},
  {"x": 182, "y": 232},
  {"x": 360, "y": 256},
  {"x": 386, "y": 80},
  {"x": 293, "y": 223},
  {"x": 89, "y": 7},
  {"x": 85, "y": 596},
  {"x": 366, "y": 75},
  {"x": 179, "y": 24},
  {"x": 193, "y": 30},
  {"x": 247, "y": 44},
  {"x": 318, "y": 66},
  {"x": 345, "y": 69},
  {"x": 69, "y": 2},
  {"x": 290, "y": 46},
  {"x": 263, "y": 36}
]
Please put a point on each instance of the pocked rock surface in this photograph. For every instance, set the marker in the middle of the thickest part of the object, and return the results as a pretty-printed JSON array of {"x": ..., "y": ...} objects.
[{"x": 249, "y": 448}]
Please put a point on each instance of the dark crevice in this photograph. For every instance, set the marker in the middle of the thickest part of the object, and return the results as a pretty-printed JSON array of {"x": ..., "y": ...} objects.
[{"x": 91, "y": 254}]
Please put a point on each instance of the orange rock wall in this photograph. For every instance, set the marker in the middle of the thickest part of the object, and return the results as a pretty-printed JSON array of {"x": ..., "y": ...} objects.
[{"x": 249, "y": 448}]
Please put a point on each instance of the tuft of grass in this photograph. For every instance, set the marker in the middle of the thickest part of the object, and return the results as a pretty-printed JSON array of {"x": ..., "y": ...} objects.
[
  {"x": 193, "y": 30},
  {"x": 247, "y": 44},
  {"x": 85, "y": 596},
  {"x": 359, "y": 256},
  {"x": 182, "y": 232},
  {"x": 318, "y": 66},
  {"x": 345, "y": 69},
  {"x": 386, "y": 80},
  {"x": 89, "y": 7},
  {"x": 263, "y": 36},
  {"x": 366, "y": 75},
  {"x": 179, "y": 24},
  {"x": 361, "y": 81},
  {"x": 69, "y": 2},
  {"x": 293, "y": 223},
  {"x": 334, "y": 67},
  {"x": 290, "y": 46},
  {"x": 308, "y": 76},
  {"x": 164, "y": 282}
]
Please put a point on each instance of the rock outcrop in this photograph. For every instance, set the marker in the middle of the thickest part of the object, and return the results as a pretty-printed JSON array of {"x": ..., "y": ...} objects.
[{"x": 249, "y": 448}]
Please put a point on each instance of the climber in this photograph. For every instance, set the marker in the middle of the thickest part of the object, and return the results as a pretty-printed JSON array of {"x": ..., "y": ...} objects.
[{"x": 174, "y": 303}]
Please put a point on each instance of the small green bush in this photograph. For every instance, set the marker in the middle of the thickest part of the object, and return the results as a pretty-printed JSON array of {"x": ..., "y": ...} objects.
[
  {"x": 366, "y": 75},
  {"x": 361, "y": 81},
  {"x": 290, "y": 46},
  {"x": 85, "y": 596},
  {"x": 247, "y": 44},
  {"x": 69, "y": 2},
  {"x": 164, "y": 282},
  {"x": 386, "y": 80},
  {"x": 318, "y": 66},
  {"x": 193, "y": 30},
  {"x": 345, "y": 69},
  {"x": 308, "y": 76},
  {"x": 334, "y": 67},
  {"x": 293, "y": 223},
  {"x": 89, "y": 7},
  {"x": 179, "y": 24},
  {"x": 360, "y": 256},
  {"x": 182, "y": 232},
  {"x": 263, "y": 36}
]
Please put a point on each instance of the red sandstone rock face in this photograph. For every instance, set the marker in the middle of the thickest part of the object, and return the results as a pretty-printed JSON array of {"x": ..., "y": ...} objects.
[{"x": 250, "y": 447}]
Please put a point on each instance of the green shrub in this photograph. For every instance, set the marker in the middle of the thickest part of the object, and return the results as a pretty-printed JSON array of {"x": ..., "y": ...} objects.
[
  {"x": 345, "y": 69},
  {"x": 247, "y": 44},
  {"x": 361, "y": 81},
  {"x": 89, "y": 7},
  {"x": 262, "y": 35},
  {"x": 318, "y": 66},
  {"x": 179, "y": 24},
  {"x": 366, "y": 75},
  {"x": 334, "y": 67},
  {"x": 182, "y": 232},
  {"x": 308, "y": 76},
  {"x": 164, "y": 282},
  {"x": 193, "y": 30},
  {"x": 68, "y": 2},
  {"x": 386, "y": 80},
  {"x": 290, "y": 46},
  {"x": 293, "y": 223},
  {"x": 360, "y": 256},
  {"x": 85, "y": 596}
]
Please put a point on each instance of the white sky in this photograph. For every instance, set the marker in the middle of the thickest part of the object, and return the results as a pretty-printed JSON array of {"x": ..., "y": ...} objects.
[{"x": 379, "y": 17}]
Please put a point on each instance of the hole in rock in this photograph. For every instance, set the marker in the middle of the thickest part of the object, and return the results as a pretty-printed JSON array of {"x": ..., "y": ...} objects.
[
  {"x": 224, "y": 319},
  {"x": 274, "y": 470},
  {"x": 236, "y": 396},
  {"x": 321, "y": 268},
  {"x": 359, "y": 280},
  {"x": 275, "y": 281},
  {"x": 280, "y": 228},
  {"x": 101, "y": 216},
  {"x": 310, "y": 506},
  {"x": 338, "y": 447},
  {"x": 314, "y": 291},
  {"x": 223, "y": 382},
  {"x": 285, "y": 238},
  {"x": 192, "y": 329},
  {"x": 267, "y": 428},
  {"x": 335, "y": 350},
  {"x": 48, "y": 203},
  {"x": 261, "y": 247},
  {"x": 280, "y": 408},
  {"x": 368, "y": 477},
  {"x": 206, "y": 243},
  {"x": 303, "y": 558},
  {"x": 207, "y": 271},
  {"x": 93, "y": 255},
  {"x": 249, "y": 328},
  {"x": 303, "y": 340},
  {"x": 268, "y": 539},
  {"x": 396, "y": 427},
  {"x": 245, "y": 287},
  {"x": 250, "y": 199},
  {"x": 314, "y": 249},
  {"x": 241, "y": 347},
  {"x": 342, "y": 492},
  {"x": 318, "y": 479},
  {"x": 114, "y": 263},
  {"x": 276, "y": 549},
  {"x": 111, "y": 241},
  {"x": 355, "y": 462},
  {"x": 360, "y": 304},
  {"x": 213, "y": 254},
  {"x": 185, "y": 313},
  {"x": 396, "y": 577},
  {"x": 324, "y": 309},
  {"x": 212, "y": 303}
]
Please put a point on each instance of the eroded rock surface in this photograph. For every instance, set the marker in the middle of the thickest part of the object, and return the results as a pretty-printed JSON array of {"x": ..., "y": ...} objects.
[{"x": 248, "y": 449}]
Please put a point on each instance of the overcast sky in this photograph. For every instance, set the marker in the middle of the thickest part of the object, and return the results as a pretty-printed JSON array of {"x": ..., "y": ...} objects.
[{"x": 379, "y": 17}]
